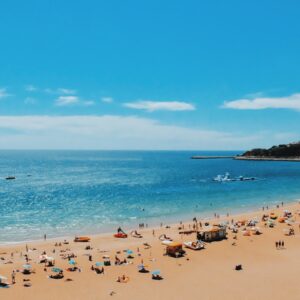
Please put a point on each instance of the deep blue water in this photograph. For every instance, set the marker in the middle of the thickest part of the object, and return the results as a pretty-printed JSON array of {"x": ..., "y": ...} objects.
[{"x": 77, "y": 192}]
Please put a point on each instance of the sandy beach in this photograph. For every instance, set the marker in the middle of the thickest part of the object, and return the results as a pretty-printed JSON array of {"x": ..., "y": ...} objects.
[{"x": 267, "y": 272}]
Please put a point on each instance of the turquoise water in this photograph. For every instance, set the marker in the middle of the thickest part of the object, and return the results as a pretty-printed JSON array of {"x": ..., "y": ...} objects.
[{"x": 64, "y": 193}]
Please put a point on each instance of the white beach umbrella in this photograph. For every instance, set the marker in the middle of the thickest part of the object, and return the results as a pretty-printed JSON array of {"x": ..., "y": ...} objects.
[{"x": 2, "y": 278}]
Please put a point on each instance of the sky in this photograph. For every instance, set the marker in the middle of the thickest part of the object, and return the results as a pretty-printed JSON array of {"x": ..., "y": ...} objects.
[{"x": 157, "y": 75}]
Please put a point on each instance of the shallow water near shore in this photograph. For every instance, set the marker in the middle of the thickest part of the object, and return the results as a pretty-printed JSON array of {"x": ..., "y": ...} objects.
[{"x": 64, "y": 193}]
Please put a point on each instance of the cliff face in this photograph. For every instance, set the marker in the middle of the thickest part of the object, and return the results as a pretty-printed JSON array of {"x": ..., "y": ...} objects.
[{"x": 280, "y": 151}]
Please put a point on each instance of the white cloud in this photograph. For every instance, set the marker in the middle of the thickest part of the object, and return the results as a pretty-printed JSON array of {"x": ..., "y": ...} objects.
[
  {"x": 66, "y": 100},
  {"x": 66, "y": 91},
  {"x": 30, "y": 88},
  {"x": 88, "y": 102},
  {"x": 60, "y": 91},
  {"x": 288, "y": 102},
  {"x": 3, "y": 93},
  {"x": 114, "y": 132},
  {"x": 30, "y": 100},
  {"x": 160, "y": 105},
  {"x": 107, "y": 99}
]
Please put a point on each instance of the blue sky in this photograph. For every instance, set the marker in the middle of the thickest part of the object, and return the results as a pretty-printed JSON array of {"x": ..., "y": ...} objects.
[{"x": 149, "y": 74}]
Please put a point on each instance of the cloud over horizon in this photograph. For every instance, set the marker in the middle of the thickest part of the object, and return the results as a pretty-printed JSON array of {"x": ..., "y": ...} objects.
[
  {"x": 151, "y": 106},
  {"x": 116, "y": 132},
  {"x": 258, "y": 103}
]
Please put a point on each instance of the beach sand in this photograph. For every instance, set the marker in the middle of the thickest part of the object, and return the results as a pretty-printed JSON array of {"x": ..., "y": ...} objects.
[{"x": 268, "y": 273}]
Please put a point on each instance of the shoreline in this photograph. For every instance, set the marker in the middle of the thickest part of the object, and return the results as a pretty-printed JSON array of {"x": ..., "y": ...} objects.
[
  {"x": 262, "y": 158},
  {"x": 184, "y": 220}
]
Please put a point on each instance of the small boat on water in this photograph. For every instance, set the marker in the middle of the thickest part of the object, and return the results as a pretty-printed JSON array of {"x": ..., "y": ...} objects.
[
  {"x": 227, "y": 178},
  {"x": 10, "y": 177}
]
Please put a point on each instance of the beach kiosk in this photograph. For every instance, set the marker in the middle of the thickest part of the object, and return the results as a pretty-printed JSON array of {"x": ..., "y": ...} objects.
[
  {"x": 212, "y": 234},
  {"x": 174, "y": 249}
]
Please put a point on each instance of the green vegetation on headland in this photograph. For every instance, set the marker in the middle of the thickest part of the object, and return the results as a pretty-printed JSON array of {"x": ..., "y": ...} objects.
[{"x": 281, "y": 152}]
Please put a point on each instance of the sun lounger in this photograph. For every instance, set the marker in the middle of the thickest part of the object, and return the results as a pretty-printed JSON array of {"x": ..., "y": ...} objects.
[{"x": 82, "y": 239}]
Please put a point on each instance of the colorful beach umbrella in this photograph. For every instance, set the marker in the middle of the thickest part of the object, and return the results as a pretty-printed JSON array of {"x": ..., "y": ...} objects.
[
  {"x": 56, "y": 270},
  {"x": 98, "y": 264},
  {"x": 72, "y": 262},
  {"x": 141, "y": 267},
  {"x": 27, "y": 266},
  {"x": 129, "y": 252},
  {"x": 156, "y": 272}
]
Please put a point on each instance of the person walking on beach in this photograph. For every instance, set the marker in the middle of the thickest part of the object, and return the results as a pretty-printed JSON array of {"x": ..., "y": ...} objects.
[
  {"x": 279, "y": 244},
  {"x": 276, "y": 244},
  {"x": 13, "y": 277},
  {"x": 45, "y": 237},
  {"x": 282, "y": 244}
]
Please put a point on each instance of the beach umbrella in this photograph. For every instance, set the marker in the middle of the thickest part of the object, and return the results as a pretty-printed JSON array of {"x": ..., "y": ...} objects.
[
  {"x": 56, "y": 270},
  {"x": 49, "y": 258},
  {"x": 27, "y": 266},
  {"x": 98, "y": 264},
  {"x": 72, "y": 262},
  {"x": 2, "y": 278},
  {"x": 129, "y": 252},
  {"x": 141, "y": 267},
  {"x": 156, "y": 272}
]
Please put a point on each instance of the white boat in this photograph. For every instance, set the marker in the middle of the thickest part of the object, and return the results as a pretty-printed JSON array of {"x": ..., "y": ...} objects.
[
  {"x": 227, "y": 178},
  {"x": 222, "y": 178}
]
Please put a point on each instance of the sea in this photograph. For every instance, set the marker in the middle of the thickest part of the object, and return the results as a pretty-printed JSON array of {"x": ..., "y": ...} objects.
[{"x": 68, "y": 193}]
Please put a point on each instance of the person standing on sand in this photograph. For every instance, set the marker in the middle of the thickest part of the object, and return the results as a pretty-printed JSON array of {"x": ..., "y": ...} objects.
[
  {"x": 276, "y": 244},
  {"x": 282, "y": 244},
  {"x": 279, "y": 244},
  {"x": 13, "y": 277},
  {"x": 45, "y": 237}
]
